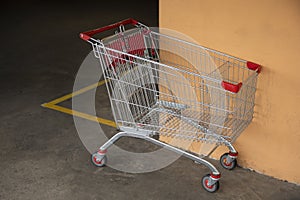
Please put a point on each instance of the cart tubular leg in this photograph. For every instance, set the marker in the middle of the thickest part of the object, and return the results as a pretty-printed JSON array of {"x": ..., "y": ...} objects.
[
  {"x": 112, "y": 140},
  {"x": 232, "y": 151},
  {"x": 215, "y": 175}
]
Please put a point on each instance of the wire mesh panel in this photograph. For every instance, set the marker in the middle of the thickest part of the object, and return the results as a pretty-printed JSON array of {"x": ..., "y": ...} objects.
[{"x": 187, "y": 83}]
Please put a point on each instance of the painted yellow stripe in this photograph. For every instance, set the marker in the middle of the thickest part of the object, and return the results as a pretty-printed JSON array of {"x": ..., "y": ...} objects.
[
  {"x": 80, "y": 114},
  {"x": 69, "y": 96}
]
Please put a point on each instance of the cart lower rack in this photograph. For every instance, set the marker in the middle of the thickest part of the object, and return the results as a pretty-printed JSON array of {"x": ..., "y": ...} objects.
[{"x": 165, "y": 86}]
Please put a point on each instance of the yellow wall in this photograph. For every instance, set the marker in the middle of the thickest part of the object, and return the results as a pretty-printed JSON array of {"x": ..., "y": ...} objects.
[{"x": 266, "y": 32}]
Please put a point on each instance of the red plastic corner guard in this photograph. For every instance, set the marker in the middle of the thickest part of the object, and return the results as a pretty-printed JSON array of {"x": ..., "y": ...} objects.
[
  {"x": 235, "y": 88},
  {"x": 254, "y": 66}
]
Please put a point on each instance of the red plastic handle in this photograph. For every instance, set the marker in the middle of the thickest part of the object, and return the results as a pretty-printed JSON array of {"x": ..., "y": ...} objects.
[{"x": 88, "y": 34}]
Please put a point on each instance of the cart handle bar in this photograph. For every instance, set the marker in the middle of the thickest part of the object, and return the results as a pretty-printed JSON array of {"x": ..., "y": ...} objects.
[{"x": 88, "y": 34}]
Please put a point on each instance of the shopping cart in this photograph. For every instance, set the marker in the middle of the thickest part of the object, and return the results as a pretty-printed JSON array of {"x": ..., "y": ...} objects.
[{"x": 165, "y": 86}]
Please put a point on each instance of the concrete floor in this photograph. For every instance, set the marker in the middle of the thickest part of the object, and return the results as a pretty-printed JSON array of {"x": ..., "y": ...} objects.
[{"x": 41, "y": 154}]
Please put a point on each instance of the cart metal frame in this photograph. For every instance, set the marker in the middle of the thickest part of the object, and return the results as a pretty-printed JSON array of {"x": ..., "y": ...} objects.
[{"x": 136, "y": 63}]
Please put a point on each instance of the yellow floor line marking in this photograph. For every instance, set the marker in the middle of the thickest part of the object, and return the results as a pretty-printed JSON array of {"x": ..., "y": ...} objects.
[
  {"x": 69, "y": 96},
  {"x": 52, "y": 105},
  {"x": 80, "y": 114}
]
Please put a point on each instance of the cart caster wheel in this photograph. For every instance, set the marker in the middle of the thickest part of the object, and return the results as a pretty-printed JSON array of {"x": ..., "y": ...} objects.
[
  {"x": 99, "y": 160},
  {"x": 209, "y": 188},
  {"x": 223, "y": 162}
]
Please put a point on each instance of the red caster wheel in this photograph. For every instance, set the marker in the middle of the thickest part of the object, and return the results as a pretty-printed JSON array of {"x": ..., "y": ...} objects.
[
  {"x": 206, "y": 184},
  {"x": 99, "y": 160},
  {"x": 227, "y": 161}
]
